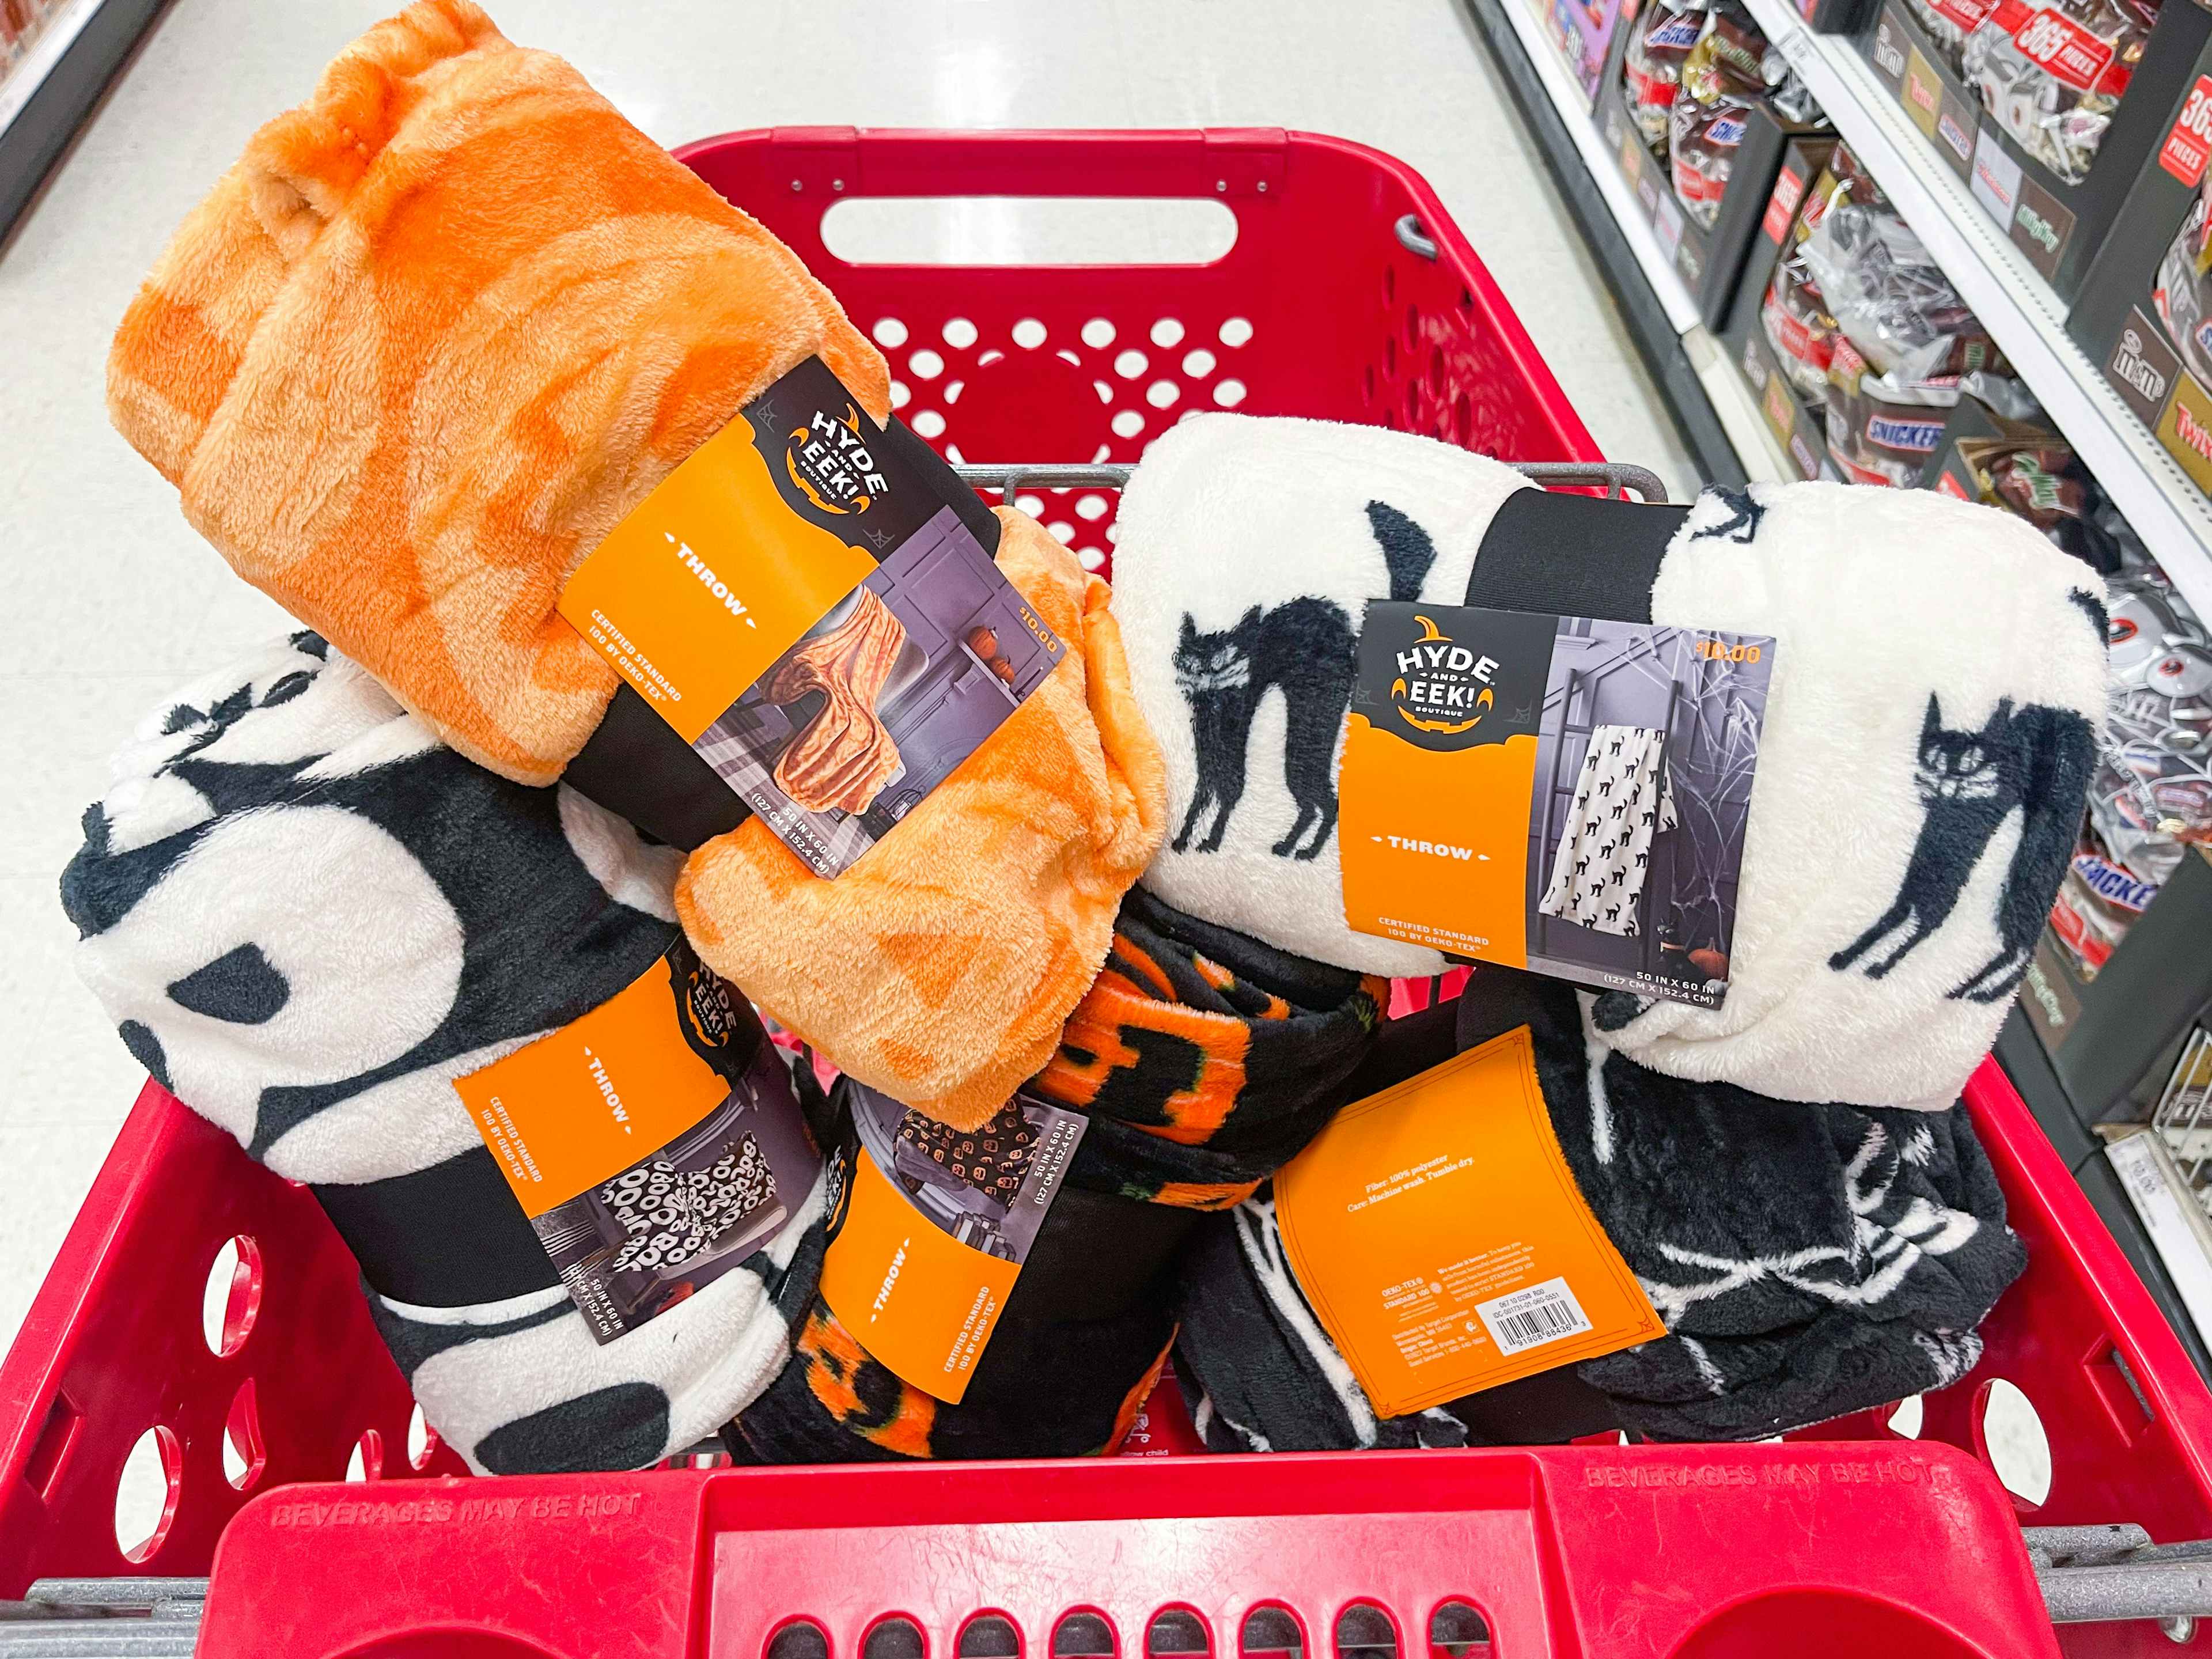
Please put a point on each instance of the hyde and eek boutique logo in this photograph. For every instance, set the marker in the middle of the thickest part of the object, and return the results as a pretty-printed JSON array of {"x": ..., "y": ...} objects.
[
  {"x": 1448, "y": 677},
  {"x": 829, "y": 459},
  {"x": 1441, "y": 688},
  {"x": 834, "y": 469}
]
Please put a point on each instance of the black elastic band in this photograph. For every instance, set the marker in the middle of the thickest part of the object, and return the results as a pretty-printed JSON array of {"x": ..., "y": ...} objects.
[
  {"x": 1573, "y": 555},
  {"x": 933, "y": 469},
  {"x": 636, "y": 767},
  {"x": 486, "y": 1251},
  {"x": 454, "y": 1235}
]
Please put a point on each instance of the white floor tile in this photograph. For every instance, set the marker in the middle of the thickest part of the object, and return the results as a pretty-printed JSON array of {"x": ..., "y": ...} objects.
[{"x": 112, "y": 595}]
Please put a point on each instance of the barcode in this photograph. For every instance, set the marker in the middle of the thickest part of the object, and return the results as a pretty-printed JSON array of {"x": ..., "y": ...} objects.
[{"x": 1530, "y": 1317}]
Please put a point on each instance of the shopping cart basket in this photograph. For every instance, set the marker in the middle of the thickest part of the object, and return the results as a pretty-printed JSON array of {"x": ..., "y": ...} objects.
[{"x": 1348, "y": 294}]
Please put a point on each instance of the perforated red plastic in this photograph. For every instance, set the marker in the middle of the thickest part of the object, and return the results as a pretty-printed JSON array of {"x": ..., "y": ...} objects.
[
  {"x": 1318, "y": 308},
  {"x": 1701, "y": 1552},
  {"x": 1884, "y": 1546}
]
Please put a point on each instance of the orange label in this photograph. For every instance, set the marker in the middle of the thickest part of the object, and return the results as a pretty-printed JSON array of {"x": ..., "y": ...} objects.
[
  {"x": 1439, "y": 1234},
  {"x": 1419, "y": 864},
  {"x": 923, "y": 1303},
  {"x": 591, "y": 1098},
  {"x": 708, "y": 581}
]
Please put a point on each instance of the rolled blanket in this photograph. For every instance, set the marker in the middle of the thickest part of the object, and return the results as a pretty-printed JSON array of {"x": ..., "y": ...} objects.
[
  {"x": 436, "y": 333},
  {"x": 1806, "y": 1262},
  {"x": 308, "y": 918},
  {"x": 1249, "y": 550},
  {"x": 1920, "y": 784},
  {"x": 1204, "y": 1060},
  {"x": 441, "y": 329},
  {"x": 1922, "y": 766}
]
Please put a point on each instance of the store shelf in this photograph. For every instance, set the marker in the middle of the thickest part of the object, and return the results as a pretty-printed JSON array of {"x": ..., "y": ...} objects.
[
  {"x": 1719, "y": 415},
  {"x": 2014, "y": 303},
  {"x": 2022, "y": 1056},
  {"x": 2170, "y": 1216},
  {"x": 49, "y": 91},
  {"x": 1567, "y": 96}
]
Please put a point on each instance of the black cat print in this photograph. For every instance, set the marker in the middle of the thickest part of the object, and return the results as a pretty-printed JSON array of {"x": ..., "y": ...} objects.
[
  {"x": 1923, "y": 771},
  {"x": 2033, "y": 761},
  {"x": 1307, "y": 650},
  {"x": 1249, "y": 552}
]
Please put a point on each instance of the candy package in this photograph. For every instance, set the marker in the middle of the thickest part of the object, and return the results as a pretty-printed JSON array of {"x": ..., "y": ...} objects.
[
  {"x": 2183, "y": 294},
  {"x": 1798, "y": 327},
  {"x": 2036, "y": 477},
  {"x": 2097, "y": 901},
  {"x": 2152, "y": 793},
  {"x": 1890, "y": 298},
  {"x": 1882, "y": 429},
  {"x": 1724, "y": 76},
  {"x": 2052, "y": 72},
  {"x": 1651, "y": 70},
  {"x": 1946, "y": 24},
  {"x": 1702, "y": 142}
]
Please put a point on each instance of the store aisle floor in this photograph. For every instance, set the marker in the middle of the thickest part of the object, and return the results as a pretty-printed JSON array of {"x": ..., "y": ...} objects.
[{"x": 116, "y": 599}]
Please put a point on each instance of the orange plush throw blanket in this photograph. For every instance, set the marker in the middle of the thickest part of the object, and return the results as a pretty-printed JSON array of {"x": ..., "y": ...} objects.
[
  {"x": 427, "y": 343},
  {"x": 429, "y": 340}
]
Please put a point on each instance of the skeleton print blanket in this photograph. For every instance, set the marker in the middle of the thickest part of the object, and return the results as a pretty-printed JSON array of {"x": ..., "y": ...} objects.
[{"x": 1807, "y": 1262}]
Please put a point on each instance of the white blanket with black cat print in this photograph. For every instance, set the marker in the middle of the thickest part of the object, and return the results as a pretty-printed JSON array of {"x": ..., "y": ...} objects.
[
  {"x": 1624, "y": 797},
  {"x": 1247, "y": 551},
  {"x": 1939, "y": 675},
  {"x": 1923, "y": 759}
]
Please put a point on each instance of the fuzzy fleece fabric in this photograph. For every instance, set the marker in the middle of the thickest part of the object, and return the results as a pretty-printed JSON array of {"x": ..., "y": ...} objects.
[
  {"x": 941, "y": 967},
  {"x": 1929, "y": 727},
  {"x": 439, "y": 329},
  {"x": 1204, "y": 1060},
  {"x": 1938, "y": 680},
  {"x": 306, "y": 918},
  {"x": 1806, "y": 1262},
  {"x": 1249, "y": 550}
]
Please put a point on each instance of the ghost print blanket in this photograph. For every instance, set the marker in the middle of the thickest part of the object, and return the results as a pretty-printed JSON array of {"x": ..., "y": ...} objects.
[
  {"x": 306, "y": 917},
  {"x": 1623, "y": 798}
]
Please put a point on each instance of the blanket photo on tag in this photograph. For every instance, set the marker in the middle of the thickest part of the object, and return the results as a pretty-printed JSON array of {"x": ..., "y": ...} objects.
[
  {"x": 813, "y": 617},
  {"x": 655, "y": 1143},
  {"x": 1558, "y": 793},
  {"x": 935, "y": 1227}
]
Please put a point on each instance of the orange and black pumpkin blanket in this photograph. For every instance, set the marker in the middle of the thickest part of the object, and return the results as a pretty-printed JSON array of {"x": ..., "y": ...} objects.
[{"x": 1204, "y": 1061}]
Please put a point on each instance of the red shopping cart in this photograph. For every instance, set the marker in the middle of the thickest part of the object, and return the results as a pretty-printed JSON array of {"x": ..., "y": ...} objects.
[{"x": 1348, "y": 293}]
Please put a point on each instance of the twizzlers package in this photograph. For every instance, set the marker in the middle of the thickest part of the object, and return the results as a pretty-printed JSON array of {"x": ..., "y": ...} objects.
[{"x": 814, "y": 618}]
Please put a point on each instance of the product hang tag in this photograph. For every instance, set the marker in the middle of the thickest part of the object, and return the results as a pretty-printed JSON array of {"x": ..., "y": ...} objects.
[
  {"x": 1439, "y": 1234},
  {"x": 808, "y": 612},
  {"x": 937, "y": 1226},
  {"x": 654, "y": 1144},
  {"x": 1557, "y": 793}
]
